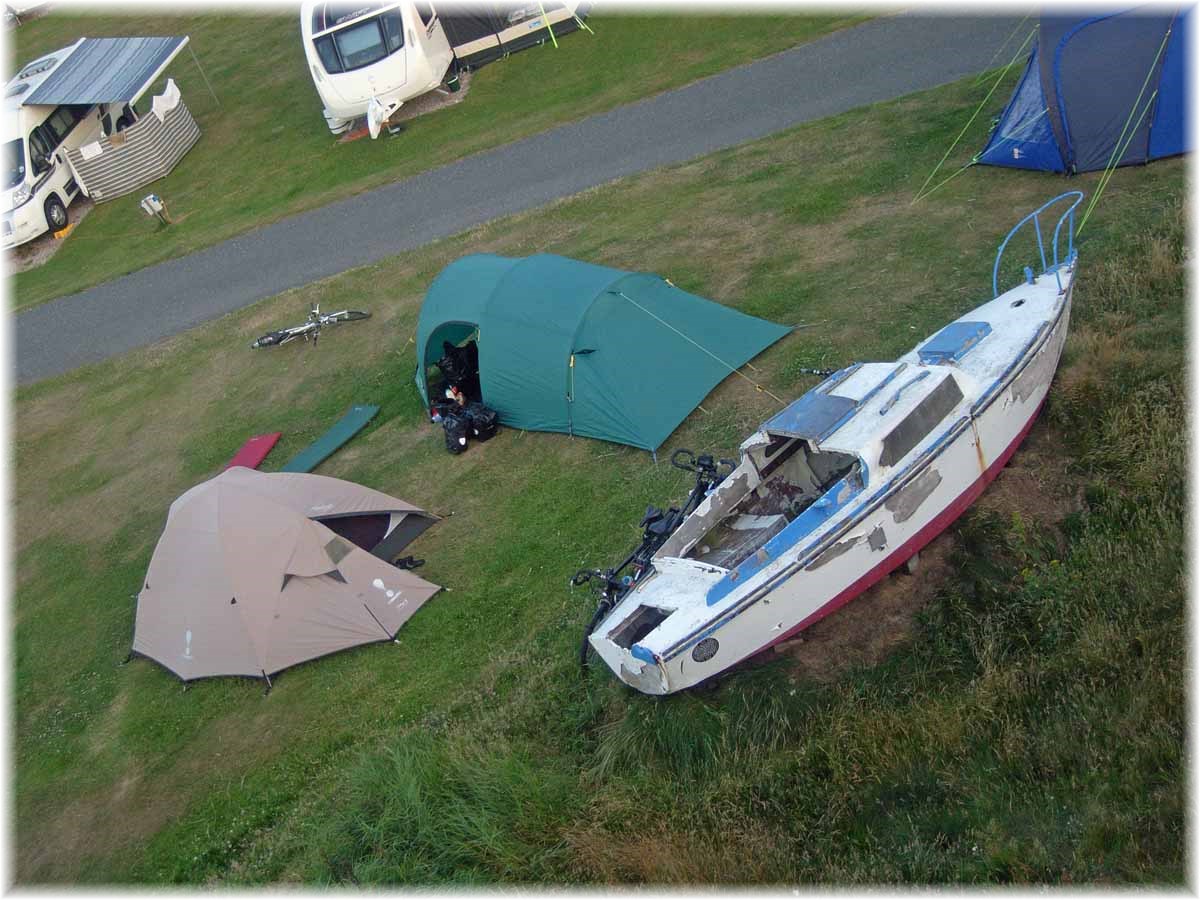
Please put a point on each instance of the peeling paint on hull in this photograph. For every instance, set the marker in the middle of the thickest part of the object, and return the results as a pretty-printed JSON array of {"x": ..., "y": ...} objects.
[{"x": 909, "y": 498}]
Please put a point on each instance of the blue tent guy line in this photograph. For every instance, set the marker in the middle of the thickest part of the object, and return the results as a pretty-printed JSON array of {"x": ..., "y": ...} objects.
[
  {"x": 1098, "y": 91},
  {"x": 584, "y": 349}
]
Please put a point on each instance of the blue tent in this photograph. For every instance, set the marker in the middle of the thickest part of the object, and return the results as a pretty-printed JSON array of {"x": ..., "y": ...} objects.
[
  {"x": 569, "y": 346},
  {"x": 1098, "y": 91}
]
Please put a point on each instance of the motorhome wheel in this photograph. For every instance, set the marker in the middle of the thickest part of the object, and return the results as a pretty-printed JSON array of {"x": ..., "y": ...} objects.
[{"x": 56, "y": 213}]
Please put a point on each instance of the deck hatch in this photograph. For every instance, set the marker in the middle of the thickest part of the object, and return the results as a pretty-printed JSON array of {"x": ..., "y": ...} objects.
[
  {"x": 812, "y": 416},
  {"x": 952, "y": 342},
  {"x": 643, "y": 621}
]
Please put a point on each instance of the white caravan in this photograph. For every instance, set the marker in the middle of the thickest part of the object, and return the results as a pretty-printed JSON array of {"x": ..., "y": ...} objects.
[
  {"x": 39, "y": 185},
  {"x": 372, "y": 56}
]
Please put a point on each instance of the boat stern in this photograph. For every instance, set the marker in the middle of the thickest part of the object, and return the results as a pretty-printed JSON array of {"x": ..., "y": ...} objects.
[{"x": 664, "y": 606}]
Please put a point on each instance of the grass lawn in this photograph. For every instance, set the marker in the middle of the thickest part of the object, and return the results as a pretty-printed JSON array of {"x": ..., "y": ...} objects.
[
  {"x": 265, "y": 153},
  {"x": 1015, "y": 713}
]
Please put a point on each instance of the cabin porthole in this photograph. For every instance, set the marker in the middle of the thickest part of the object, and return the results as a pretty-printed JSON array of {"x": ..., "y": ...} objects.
[
  {"x": 1020, "y": 301},
  {"x": 705, "y": 650}
]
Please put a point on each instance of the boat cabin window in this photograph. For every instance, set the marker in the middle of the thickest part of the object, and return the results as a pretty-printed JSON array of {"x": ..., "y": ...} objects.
[
  {"x": 917, "y": 424},
  {"x": 794, "y": 476},
  {"x": 361, "y": 44}
]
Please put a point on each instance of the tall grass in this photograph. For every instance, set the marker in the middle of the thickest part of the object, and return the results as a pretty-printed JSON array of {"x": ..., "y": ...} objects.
[{"x": 448, "y": 810}]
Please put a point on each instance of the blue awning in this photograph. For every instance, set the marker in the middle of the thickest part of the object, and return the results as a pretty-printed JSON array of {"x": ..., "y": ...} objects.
[{"x": 107, "y": 70}]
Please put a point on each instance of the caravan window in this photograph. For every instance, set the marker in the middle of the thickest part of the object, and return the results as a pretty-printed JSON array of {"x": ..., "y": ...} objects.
[
  {"x": 393, "y": 27},
  {"x": 370, "y": 41},
  {"x": 329, "y": 57},
  {"x": 14, "y": 160}
]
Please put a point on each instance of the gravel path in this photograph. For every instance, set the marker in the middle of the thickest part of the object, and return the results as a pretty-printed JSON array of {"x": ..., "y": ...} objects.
[{"x": 879, "y": 60}]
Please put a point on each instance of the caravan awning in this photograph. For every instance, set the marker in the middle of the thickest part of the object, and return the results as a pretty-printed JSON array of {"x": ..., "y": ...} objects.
[{"x": 107, "y": 70}]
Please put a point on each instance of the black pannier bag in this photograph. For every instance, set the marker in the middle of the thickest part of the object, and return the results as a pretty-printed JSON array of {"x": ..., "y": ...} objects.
[
  {"x": 457, "y": 429},
  {"x": 483, "y": 421}
]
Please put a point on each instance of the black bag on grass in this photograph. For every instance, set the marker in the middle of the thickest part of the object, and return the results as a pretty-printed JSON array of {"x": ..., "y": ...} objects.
[
  {"x": 483, "y": 421},
  {"x": 457, "y": 429}
]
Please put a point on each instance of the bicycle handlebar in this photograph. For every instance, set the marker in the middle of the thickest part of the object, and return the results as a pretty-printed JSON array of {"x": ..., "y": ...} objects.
[{"x": 690, "y": 465}]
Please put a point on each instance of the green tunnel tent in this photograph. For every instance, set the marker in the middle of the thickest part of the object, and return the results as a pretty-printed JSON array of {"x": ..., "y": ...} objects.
[{"x": 583, "y": 349}]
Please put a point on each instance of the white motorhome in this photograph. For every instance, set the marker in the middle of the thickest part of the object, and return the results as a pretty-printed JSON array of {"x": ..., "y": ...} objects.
[
  {"x": 39, "y": 184},
  {"x": 372, "y": 54}
]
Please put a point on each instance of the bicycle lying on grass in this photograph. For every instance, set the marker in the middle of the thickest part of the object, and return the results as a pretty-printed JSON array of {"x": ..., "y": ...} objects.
[
  {"x": 609, "y": 586},
  {"x": 311, "y": 328}
]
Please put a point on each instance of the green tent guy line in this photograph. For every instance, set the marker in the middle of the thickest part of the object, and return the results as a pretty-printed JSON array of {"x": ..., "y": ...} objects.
[{"x": 584, "y": 349}]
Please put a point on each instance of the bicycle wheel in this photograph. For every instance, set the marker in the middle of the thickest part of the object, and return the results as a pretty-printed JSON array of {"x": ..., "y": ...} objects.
[
  {"x": 585, "y": 647},
  {"x": 349, "y": 315}
]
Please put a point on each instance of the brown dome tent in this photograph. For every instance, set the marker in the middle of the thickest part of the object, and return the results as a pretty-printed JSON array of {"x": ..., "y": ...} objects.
[{"x": 257, "y": 571}]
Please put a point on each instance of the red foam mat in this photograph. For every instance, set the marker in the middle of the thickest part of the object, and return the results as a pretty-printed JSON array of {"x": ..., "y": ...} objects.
[{"x": 255, "y": 450}]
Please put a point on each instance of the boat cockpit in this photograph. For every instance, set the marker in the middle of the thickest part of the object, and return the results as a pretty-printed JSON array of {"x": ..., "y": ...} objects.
[{"x": 777, "y": 482}]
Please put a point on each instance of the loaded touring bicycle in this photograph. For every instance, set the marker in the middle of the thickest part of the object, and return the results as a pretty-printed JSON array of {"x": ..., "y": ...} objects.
[{"x": 846, "y": 484}]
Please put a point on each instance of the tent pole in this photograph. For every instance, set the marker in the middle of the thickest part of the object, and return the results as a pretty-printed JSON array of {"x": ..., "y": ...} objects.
[
  {"x": 377, "y": 622},
  {"x": 200, "y": 68}
]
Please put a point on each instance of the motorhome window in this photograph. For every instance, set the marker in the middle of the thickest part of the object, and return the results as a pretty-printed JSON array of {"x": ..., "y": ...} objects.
[
  {"x": 14, "y": 159},
  {"x": 63, "y": 120},
  {"x": 918, "y": 423},
  {"x": 39, "y": 151},
  {"x": 329, "y": 57},
  {"x": 425, "y": 11}
]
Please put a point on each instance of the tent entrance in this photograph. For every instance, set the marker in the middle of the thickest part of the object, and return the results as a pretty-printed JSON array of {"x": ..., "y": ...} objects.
[{"x": 460, "y": 335}]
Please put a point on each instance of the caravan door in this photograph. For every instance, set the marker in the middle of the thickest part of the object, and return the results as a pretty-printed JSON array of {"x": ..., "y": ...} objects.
[{"x": 433, "y": 38}]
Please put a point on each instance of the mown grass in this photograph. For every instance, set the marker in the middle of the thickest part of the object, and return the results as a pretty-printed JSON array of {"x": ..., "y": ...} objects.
[
  {"x": 265, "y": 153},
  {"x": 1028, "y": 730}
]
